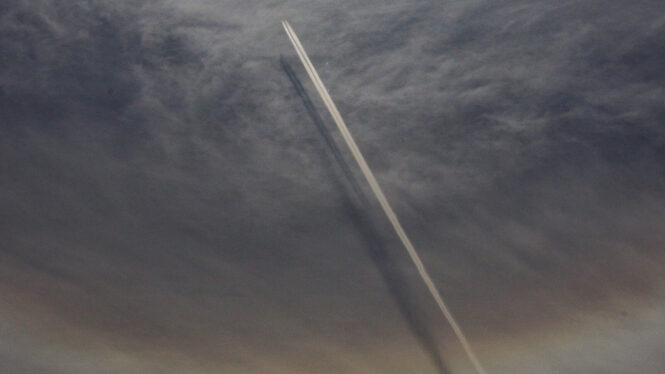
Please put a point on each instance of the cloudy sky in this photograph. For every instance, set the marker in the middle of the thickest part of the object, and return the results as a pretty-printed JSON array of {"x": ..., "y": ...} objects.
[{"x": 174, "y": 197}]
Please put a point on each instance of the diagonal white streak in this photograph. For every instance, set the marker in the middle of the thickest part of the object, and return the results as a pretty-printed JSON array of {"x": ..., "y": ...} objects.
[{"x": 374, "y": 185}]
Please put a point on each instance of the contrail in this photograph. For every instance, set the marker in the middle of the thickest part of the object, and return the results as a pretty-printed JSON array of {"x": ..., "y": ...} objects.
[
  {"x": 378, "y": 192},
  {"x": 356, "y": 209}
]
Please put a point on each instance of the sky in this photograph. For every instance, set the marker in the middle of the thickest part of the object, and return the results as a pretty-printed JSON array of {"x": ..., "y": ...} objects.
[{"x": 175, "y": 198}]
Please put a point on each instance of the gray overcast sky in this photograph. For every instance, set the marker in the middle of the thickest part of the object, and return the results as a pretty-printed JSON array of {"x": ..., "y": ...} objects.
[{"x": 175, "y": 198}]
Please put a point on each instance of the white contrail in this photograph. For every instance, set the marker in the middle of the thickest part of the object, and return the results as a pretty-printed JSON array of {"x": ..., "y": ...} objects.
[{"x": 367, "y": 172}]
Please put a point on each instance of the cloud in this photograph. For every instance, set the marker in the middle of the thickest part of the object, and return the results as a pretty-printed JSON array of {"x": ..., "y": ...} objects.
[{"x": 165, "y": 197}]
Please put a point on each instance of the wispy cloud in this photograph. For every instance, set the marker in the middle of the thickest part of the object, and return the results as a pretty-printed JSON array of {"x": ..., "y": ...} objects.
[{"x": 165, "y": 200}]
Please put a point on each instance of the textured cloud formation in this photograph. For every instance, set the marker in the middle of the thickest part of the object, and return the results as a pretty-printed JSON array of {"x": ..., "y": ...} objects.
[{"x": 169, "y": 205}]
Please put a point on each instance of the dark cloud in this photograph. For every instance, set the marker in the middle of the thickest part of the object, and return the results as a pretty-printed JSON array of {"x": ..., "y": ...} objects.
[{"x": 168, "y": 204}]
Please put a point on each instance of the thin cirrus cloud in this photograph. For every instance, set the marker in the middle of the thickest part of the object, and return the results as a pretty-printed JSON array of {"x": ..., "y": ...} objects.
[{"x": 168, "y": 202}]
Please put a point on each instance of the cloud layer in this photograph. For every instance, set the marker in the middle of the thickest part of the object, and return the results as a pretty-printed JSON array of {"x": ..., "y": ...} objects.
[{"x": 169, "y": 204}]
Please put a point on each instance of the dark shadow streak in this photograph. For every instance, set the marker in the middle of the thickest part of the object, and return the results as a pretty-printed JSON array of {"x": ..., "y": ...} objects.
[{"x": 391, "y": 274}]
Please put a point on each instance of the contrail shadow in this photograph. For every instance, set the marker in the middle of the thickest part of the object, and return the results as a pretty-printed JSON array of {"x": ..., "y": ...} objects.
[{"x": 390, "y": 272}]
